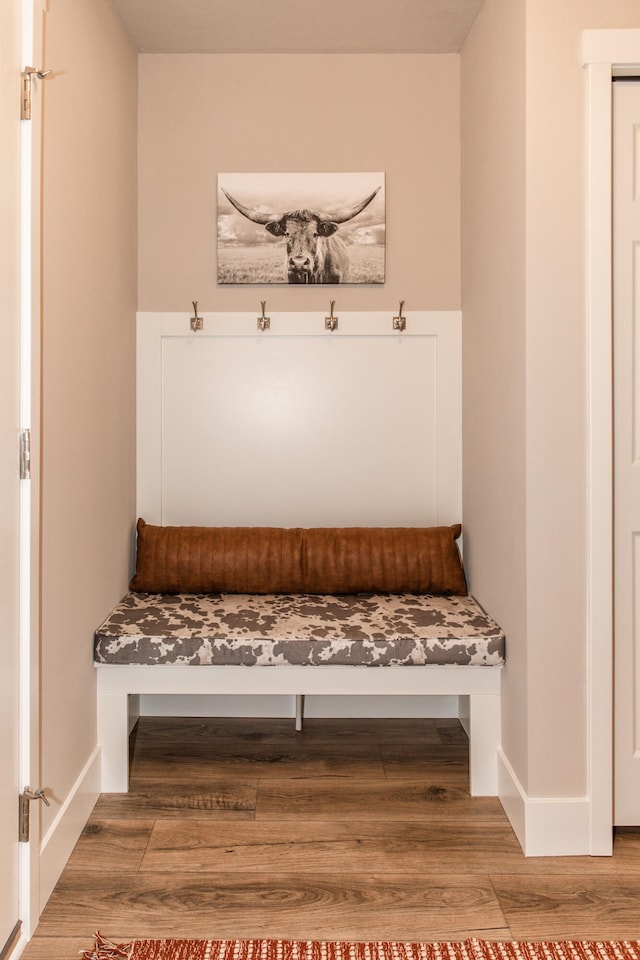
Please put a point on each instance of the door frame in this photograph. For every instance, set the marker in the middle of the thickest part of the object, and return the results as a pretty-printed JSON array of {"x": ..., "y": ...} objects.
[
  {"x": 32, "y": 54},
  {"x": 604, "y": 53}
]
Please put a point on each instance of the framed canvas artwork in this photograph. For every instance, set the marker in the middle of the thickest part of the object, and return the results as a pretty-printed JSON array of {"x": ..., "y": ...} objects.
[{"x": 301, "y": 228}]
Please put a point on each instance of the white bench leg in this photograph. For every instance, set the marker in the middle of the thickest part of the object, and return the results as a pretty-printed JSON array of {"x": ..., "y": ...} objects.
[
  {"x": 484, "y": 742},
  {"x": 113, "y": 737},
  {"x": 299, "y": 710}
]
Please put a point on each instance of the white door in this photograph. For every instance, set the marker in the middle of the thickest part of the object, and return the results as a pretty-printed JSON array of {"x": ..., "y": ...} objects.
[
  {"x": 21, "y": 31},
  {"x": 9, "y": 470},
  {"x": 626, "y": 309}
]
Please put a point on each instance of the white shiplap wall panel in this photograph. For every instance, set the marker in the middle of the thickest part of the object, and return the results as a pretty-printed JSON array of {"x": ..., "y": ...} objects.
[{"x": 297, "y": 426}]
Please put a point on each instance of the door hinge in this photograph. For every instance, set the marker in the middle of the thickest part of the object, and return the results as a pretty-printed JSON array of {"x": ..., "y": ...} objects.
[
  {"x": 25, "y": 454},
  {"x": 25, "y": 89},
  {"x": 24, "y": 801}
]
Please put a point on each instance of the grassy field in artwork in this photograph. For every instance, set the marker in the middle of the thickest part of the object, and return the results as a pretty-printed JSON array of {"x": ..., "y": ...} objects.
[
  {"x": 266, "y": 264},
  {"x": 366, "y": 263}
]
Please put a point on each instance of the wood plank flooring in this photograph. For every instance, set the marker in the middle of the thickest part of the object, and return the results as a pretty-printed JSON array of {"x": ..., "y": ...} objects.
[{"x": 351, "y": 829}]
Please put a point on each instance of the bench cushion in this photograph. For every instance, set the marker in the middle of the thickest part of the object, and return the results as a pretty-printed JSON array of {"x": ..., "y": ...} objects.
[
  {"x": 321, "y": 560},
  {"x": 269, "y": 630}
]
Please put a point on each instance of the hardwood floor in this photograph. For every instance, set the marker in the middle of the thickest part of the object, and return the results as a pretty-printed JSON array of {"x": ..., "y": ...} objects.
[{"x": 352, "y": 829}]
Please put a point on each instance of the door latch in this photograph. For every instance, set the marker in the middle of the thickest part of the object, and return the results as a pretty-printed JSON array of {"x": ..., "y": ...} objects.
[{"x": 25, "y": 799}]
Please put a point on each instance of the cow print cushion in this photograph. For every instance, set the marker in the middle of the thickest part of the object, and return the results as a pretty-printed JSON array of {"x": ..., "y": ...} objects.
[{"x": 268, "y": 630}]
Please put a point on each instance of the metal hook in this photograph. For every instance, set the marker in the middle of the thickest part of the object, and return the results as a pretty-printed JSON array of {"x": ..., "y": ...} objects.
[
  {"x": 196, "y": 321},
  {"x": 331, "y": 322},
  {"x": 400, "y": 322},
  {"x": 264, "y": 323}
]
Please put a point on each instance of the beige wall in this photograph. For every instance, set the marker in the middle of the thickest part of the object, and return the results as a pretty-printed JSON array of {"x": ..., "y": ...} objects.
[
  {"x": 493, "y": 300},
  {"x": 88, "y": 342},
  {"x": 556, "y": 412},
  {"x": 545, "y": 732},
  {"x": 200, "y": 115}
]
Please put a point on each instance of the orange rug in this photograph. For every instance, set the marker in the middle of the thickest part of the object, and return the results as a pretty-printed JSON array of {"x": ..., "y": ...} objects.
[{"x": 373, "y": 950}]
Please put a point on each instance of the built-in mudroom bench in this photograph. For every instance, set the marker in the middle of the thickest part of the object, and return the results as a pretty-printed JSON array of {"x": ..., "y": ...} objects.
[
  {"x": 301, "y": 490},
  {"x": 299, "y": 611}
]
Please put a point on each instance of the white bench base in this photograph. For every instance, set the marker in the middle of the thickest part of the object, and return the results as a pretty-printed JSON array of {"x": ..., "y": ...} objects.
[{"x": 477, "y": 687}]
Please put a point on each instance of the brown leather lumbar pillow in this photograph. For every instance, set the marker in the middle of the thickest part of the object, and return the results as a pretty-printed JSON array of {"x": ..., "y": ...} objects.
[{"x": 298, "y": 560}]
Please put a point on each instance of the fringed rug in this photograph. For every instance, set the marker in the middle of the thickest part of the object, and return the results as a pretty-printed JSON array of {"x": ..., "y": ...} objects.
[{"x": 373, "y": 950}]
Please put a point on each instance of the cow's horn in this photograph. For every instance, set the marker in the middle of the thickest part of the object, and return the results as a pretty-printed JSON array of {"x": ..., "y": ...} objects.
[
  {"x": 350, "y": 212},
  {"x": 249, "y": 212}
]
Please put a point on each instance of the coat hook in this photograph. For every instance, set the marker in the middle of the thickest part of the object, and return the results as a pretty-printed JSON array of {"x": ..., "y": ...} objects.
[
  {"x": 264, "y": 323},
  {"x": 196, "y": 321},
  {"x": 331, "y": 322},
  {"x": 400, "y": 322}
]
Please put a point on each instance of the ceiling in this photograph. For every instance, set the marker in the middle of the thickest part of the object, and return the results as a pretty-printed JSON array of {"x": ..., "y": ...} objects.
[{"x": 298, "y": 26}]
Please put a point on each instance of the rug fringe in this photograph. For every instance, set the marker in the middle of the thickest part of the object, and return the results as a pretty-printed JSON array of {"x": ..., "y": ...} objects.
[
  {"x": 104, "y": 949},
  {"x": 268, "y": 949}
]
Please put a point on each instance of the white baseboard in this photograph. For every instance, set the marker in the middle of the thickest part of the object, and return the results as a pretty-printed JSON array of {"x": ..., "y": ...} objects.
[
  {"x": 18, "y": 947},
  {"x": 545, "y": 826},
  {"x": 62, "y": 835},
  {"x": 178, "y": 705}
]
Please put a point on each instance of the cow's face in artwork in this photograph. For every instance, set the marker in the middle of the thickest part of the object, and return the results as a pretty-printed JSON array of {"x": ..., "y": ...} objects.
[{"x": 305, "y": 234}]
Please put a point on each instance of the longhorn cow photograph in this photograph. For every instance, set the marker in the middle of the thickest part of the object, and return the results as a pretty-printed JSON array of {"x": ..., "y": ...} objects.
[{"x": 301, "y": 228}]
